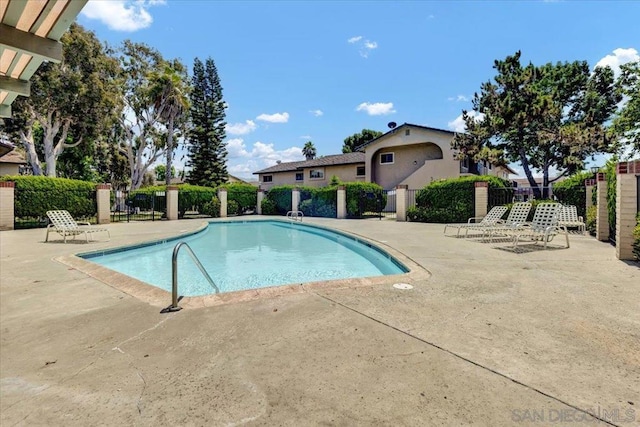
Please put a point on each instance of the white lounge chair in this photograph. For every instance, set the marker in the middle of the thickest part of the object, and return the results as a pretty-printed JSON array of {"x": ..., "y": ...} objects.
[
  {"x": 544, "y": 226},
  {"x": 492, "y": 217},
  {"x": 517, "y": 216},
  {"x": 569, "y": 218},
  {"x": 63, "y": 223}
]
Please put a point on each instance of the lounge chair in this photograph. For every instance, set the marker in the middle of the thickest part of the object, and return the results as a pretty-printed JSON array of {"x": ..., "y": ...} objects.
[
  {"x": 490, "y": 219},
  {"x": 543, "y": 228},
  {"x": 517, "y": 216},
  {"x": 569, "y": 218},
  {"x": 63, "y": 223}
]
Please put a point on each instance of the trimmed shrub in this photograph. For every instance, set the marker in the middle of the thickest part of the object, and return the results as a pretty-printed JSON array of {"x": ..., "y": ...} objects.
[
  {"x": 590, "y": 221},
  {"x": 211, "y": 208},
  {"x": 364, "y": 197},
  {"x": 245, "y": 195},
  {"x": 572, "y": 191},
  {"x": 35, "y": 195},
  {"x": 232, "y": 207},
  {"x": 450, "y": 200},
  {"x": 612, "y": 180},
  {"x": 190, "y": 197},
  {"x": 280, "y": 195},
  {"x": 268, "y": 207}
]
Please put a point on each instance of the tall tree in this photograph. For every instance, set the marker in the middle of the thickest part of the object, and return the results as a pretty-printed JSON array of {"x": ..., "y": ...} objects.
[
  {"x": 309, "y": 150},
  {"x": 71, "y": 102},
  {"x": 142, "y": 141},
  {"x": 169, "y": 91},
  {"x": 550, "y": 116},
  {"x": 357, "y": 139},
  {"x": 207, "y": 151},
  {"x": 626, "y": 124}
]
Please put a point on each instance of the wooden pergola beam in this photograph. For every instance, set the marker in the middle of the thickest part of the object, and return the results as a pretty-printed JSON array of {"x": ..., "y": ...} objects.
[
  {"x": 19, "y": 87},
  {"x": 22, "y": 41}
]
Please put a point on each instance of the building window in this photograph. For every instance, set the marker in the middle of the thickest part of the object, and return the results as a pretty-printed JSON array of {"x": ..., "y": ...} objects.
[
  {"x": 316, "y": 174},
  {"x": 360, "y": 171},
  {"x": 386, "y": 158},
  {"x": 299, "y": 176},
  {"x": 407, "y": 132},
  {"x": 267, "y": 178}
]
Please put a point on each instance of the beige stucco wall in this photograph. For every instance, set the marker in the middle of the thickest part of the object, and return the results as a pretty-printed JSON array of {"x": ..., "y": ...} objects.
[
  {"x": 345, "y": 173},
  {"x": 413, "y": 158},
  {"x": 9, "y": 169}
]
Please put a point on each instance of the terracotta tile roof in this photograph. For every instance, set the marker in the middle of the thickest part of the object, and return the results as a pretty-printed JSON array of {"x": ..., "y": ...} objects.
[{"x": 336, "y": 159}]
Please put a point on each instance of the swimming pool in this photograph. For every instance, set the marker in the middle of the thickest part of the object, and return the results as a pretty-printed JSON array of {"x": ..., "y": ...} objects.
[{"x": 244, "y": 255}]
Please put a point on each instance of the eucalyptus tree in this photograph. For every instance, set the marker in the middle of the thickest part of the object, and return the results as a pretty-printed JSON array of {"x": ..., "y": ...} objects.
[
  {"x": 70, "y": 103},
  {"x": 544, "y": 117},
  {"x": 626, "y": 124},
  {"x": 140, "y": 121},
  {"x": 207, "y": 150},
  {"x": 169, "y": 92},
  {"x": 309, "y": 150}
]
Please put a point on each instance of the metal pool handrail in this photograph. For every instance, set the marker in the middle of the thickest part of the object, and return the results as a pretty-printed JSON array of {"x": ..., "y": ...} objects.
[{"x": 174, "y": 280}]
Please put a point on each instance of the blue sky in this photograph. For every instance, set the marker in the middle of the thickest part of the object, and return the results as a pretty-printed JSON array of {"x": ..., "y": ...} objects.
[{"x": 323, "y": 70}]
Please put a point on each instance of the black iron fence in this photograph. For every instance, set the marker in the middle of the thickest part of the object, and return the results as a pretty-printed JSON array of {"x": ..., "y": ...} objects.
[
  {"x": 138, "y": 205},
  {"x": 31, "y": 206}
]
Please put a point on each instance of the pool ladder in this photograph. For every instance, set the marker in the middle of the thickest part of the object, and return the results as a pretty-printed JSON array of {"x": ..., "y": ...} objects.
[{"x": 174, "y": 270}]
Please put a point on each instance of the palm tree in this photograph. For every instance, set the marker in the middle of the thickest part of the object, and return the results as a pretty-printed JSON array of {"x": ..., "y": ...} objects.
[
  {"x": 169, "y": 95},
  {"x": 309, "y": 150}
]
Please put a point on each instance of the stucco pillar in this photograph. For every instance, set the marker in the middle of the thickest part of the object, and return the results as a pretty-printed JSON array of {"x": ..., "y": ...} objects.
[
  {"x": 589, "y": 185},
  {"x": 481, "y": 198},
  {"x": 602, "y": 216},
  {"x": 260, "y": 198},
  {"x": 626, "y": 207},
  {"x": 103, "y": 201},
  {"x": 295, "y": 199},
  {"x": 401, "y": 202},
  {"x": 342, "y": 202},
  {"x": 7, "y": 206},
  {"x": 222, "y": 196},
  {"x": 172, "y": 202}
]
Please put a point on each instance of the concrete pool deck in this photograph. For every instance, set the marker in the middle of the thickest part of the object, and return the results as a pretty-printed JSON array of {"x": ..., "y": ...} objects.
[{"x": 492, "y": 337}]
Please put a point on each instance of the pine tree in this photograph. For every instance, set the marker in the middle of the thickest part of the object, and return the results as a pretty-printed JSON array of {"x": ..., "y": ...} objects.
[{"x": 207, "y": 151}]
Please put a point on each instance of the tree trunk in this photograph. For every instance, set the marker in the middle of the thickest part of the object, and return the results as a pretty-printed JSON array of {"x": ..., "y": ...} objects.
[
  {"x": 532, "y": 182},
  {"x": 30, "y": 148},
  {"x": 545, "y": 180},
  {"x": 169, "y": 150}
]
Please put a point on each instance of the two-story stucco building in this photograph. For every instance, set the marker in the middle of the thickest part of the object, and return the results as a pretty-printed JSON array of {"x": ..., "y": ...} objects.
[{"x": 411, "y": 155}]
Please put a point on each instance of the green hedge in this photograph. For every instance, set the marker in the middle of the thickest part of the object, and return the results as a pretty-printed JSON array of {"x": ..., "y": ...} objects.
[
  {"x": 280, "y": 195},
  {"x": 364, "y": 197},
  {"x": 268, "y": 207},
  {"x": 211, "y": 208},
  {"x": 190, "y": 197},
  {"x": 572, "y": 191},
  {"x": 245, "y": 195},
  {"x": 612, "y": 180},
  {"x": 590, "y": 221},
  {"x": 35, "y": 195},
  {"x": 450, "y": 200}
]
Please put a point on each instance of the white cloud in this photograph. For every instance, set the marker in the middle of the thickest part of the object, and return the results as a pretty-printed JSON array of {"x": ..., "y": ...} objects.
[
  {"x": 243, "y": 161},
  {"x": 121, "y": 15},
  {"x": 457, "y": 124},
  {"x": 316, "y": 113},
  {"x": 376, "y": 109},
  {"x": 274, "y": 118},
  {"x": 459, "y": 98},
  {"x": 307, "y": 137},
  {"x": 365, "y": 46},
  {"x": 620, "y": 56},
  {"x": 241, "y": 128}
]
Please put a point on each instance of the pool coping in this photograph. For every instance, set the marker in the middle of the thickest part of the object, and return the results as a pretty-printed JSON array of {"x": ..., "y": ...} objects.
[{"x": 158, "y": 297}]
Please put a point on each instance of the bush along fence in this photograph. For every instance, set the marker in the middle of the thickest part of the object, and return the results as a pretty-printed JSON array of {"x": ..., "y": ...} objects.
[{"x": 24, "y": 201}]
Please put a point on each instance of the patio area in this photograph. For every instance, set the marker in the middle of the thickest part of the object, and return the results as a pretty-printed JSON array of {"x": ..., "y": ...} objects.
[{"x": 492, "y": 337}]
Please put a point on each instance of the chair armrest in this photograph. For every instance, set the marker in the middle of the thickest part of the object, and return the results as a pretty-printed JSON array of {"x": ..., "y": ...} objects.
[
  {"x": 474, "y": 218},
  {"x": 83, "y": 223},
  {"x": 580, "y": 219}
]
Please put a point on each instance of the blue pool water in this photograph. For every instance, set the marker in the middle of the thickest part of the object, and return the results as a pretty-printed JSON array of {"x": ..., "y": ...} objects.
[{"x": 252, "y": 254}]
